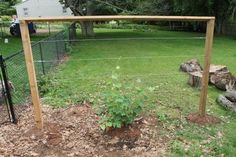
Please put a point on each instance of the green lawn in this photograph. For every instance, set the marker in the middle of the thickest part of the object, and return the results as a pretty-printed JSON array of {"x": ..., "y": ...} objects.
[
  {"x": 14, "y": 44},
  {"x": 152, "y": 63}
]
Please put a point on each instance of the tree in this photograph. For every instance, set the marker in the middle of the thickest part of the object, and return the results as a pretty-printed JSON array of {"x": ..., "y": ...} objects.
[
  {"x": 81, "y": 8},
  {"x": 223, "y": 10},
  {"x": 97, "y": 7},
  {"x": 6, "y": 7}
]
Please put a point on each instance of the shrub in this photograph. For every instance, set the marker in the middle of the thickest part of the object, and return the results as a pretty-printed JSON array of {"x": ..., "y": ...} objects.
[
  {"x": 44, "y": 84},
  {"x": 122, "y": 104}
]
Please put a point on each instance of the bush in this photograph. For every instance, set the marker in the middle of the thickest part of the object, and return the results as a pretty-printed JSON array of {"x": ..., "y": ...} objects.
[
  {"x": 44, "y": 84},
  {"x": 122, "y": 104}
]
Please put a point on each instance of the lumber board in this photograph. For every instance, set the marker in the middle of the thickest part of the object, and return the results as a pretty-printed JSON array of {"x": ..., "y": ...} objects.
[
  {"x": 123, "y": 17},
  {"x": 207, "y": 62},
  {"x": 31, "y": 74}
]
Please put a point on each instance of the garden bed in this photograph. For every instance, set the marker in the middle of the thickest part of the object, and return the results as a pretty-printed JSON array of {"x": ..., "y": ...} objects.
[{"x": 75, "y": 131}]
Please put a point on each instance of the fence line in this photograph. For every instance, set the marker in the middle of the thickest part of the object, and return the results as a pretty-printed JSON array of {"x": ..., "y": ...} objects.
[{"x": 42, "y": 51}]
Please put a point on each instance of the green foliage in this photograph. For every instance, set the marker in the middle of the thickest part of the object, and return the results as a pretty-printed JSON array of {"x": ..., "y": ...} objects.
[
  {"x": 45, "y": 84},
  {"x": 122, "y": 104},
  {"x": 6, "y": 7},
  {"x": 5, "y": 18}
]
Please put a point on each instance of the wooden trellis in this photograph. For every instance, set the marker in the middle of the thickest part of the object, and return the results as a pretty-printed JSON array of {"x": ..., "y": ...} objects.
[{"x": 30, "y": 61}]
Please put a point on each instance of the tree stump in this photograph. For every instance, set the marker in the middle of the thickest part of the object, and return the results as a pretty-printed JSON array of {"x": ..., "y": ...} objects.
[{"x": 195, "y": 79}]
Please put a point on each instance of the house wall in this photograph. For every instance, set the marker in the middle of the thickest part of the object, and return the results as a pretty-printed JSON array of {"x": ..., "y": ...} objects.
[{"x": 41, "y": 8}]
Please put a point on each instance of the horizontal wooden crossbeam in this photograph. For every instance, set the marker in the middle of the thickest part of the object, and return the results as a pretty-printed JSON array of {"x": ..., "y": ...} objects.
[{"x": 128, "y": 18}]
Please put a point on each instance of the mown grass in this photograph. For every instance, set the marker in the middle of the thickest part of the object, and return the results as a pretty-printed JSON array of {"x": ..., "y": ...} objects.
[
  {"x": 153, "y": 64},
  {"x": 14, "y": 44}
]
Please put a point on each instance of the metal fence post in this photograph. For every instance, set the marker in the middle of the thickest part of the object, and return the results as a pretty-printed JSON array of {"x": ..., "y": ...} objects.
[
  {"x": 49, "y": 28},
  {"x": 8, "y": 93},
  {"x": 57, "y": 51},
  {"x": 41, "y": 57}
]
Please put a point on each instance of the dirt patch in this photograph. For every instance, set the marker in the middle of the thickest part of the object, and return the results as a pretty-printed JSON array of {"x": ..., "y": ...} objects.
[
  {"x": 128, "y": 132},
  {"x": 75, "y": 131},
  {"x": 202, "y": 120}
]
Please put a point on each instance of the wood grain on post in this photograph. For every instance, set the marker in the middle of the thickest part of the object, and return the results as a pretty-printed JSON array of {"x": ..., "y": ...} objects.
[
  {"x": 31, "y": 74},
  {"x": 205, "y": 77}
]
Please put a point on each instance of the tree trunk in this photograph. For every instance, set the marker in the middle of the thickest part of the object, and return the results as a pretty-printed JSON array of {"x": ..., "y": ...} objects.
[
  {"x": 72, "y": 31},
  {"x": 87, "y": 29},
  {"x": 219, "y": 28}
]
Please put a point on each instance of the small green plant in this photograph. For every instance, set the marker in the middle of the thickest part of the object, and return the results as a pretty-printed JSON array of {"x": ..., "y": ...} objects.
[
  {"x": 44, "y": 84},
  {"x": 122, "y": 104}
]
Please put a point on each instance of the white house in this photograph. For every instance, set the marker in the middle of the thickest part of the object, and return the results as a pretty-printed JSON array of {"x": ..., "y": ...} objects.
[{"x": 41, "y": 8}]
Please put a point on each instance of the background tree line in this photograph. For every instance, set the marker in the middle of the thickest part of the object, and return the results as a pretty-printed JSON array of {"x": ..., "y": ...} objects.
[{"x": 223, "y": 10}]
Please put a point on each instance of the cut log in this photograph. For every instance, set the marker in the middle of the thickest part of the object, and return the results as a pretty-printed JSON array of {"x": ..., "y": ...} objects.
[
  {"x": 191, "y": 66},
  {"x": 195, "y": 79},
  {"x": 218, "y": 68},
  {"x": 221, "y": 77},
  {"x": 222, "y": 100},
  {"x": 231, "y": 95},
  {"x": 223, "y": 80}
]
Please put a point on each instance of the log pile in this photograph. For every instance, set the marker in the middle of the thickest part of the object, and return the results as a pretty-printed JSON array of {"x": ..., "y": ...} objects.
[
  {"x": 219, "y": 76},
  {"x": 228, "y": 100}
]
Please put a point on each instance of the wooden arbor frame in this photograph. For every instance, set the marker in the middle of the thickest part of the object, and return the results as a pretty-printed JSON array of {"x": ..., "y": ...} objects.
[{"x": 30, "y": 62}]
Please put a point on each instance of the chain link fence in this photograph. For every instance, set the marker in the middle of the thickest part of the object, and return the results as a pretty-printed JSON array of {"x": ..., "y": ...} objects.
[{"x": 47, "y": 54}]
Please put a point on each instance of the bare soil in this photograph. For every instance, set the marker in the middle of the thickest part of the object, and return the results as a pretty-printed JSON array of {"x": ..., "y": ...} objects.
[
  {"x": 75, "y": 131},
  {"x": 202, "y": 120}
]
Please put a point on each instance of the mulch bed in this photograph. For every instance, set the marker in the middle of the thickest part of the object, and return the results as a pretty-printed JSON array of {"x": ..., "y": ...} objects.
[
  {"x": 75, "y": 131},
  {"x": 202, "y": 120}
]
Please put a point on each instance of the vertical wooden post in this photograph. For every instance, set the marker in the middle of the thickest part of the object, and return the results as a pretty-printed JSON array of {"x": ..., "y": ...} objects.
[
  {"x": 207, "y": 58},
  {"x": 31, "y": 73}
]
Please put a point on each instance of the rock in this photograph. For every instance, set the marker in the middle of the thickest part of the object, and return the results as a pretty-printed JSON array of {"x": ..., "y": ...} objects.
[
  {"x": 222, "y": 100},
  {"x": 191, "y": 66},
  {"x": 231, "y": 95}
]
